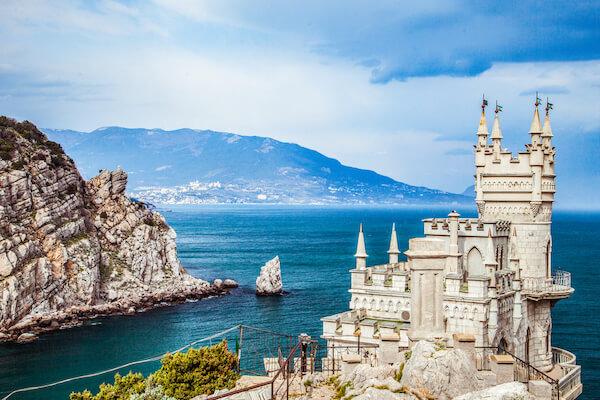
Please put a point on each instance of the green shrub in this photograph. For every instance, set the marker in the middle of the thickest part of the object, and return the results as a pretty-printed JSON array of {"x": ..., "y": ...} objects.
[
  {"x": 199, "y": 371},
  {"x": 122, "y": 389},
  {"x": 398, "y": 376}
]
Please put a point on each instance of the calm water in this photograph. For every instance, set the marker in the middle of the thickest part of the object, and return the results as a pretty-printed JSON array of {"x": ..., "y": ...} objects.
[{"x": 315, "y": 245}]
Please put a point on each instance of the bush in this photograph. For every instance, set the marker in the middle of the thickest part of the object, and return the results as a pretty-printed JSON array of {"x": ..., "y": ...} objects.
[
  {"x": 122, "y": 389},
  {"x": 199, "y": 371}
]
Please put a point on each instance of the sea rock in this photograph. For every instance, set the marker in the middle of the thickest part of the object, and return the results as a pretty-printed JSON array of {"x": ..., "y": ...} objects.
[
  {"x": 218, "y": 283},
  {"x": 269, "y": 282},
  {"x": 506, "y": 391},
  {"x": 27, "y": 337},
  {"x": 442, "y": 373},
  {"x": 70, "y": 248},
  {"x": 230, "y": 283},
  {"x": 4, "y": 337}
]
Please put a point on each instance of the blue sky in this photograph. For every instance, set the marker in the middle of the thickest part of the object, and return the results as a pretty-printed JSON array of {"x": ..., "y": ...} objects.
[{"x": 391, "y": 86}]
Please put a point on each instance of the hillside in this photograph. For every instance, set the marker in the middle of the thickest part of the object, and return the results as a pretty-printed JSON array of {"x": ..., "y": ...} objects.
[
  {"x": 71, "y": 248},
  {"x": 193, "y": 166}
]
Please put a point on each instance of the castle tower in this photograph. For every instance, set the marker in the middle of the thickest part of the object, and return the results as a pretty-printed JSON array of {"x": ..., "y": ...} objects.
[
  {"x": 516, "y": 189},
  {"x": 361, "y": 252},
  {"x": 393, "y": 251}
]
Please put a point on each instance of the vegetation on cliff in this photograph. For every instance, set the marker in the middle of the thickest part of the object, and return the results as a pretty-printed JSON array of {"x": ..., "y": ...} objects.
[{"x": 182, "y": 376}]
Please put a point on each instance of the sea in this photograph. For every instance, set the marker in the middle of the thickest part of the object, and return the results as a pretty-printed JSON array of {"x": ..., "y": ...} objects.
[{"x": 316, "y": 245}]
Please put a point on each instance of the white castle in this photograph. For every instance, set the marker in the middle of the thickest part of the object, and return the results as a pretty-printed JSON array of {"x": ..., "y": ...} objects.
[{"x": 486, "y": 280}]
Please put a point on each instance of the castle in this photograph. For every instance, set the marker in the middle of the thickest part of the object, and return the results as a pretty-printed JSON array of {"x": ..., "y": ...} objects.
[{"x": 487, "y": 279}]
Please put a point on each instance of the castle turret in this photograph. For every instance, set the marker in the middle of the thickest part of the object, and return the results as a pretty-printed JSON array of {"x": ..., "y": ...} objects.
[
  {"x": 496, "y": 137},
  {"x": 393, "y": 251},
  {"x": 536, "y": 127},
  {"x": 547, "y": 131},
  {"x": 482, "y": 131},
  {"x": 361, "y": 252}
]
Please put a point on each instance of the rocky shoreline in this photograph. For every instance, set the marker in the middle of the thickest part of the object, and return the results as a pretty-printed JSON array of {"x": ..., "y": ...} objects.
[{"x": 28, "y": 331}]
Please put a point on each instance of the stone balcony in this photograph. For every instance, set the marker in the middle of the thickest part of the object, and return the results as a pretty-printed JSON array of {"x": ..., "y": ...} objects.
[
  {"x": 569, "y": 385},
  {"x": 558, "y": 286}
]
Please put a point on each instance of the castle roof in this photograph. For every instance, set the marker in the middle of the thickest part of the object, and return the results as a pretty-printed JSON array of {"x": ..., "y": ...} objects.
[
  {"x": 394, "y": 242},
  {"x": 536, "y": 127},
  {"x": 483, "y": 129},
  {"x": 496, "y": 131},
  {"x": 361, "y": 251},
  {"x": 547, "y": 129}
]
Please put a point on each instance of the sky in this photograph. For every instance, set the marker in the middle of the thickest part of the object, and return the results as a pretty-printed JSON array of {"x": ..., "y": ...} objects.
[{"x": 392, "y": 86}]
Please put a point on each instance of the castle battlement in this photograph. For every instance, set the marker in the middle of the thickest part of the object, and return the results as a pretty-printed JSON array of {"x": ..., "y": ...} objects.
[{"x": 488, "y": 278}]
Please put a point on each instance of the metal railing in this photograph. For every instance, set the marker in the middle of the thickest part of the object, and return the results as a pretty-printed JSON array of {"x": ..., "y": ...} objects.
[{"x": 559, "y": 282}]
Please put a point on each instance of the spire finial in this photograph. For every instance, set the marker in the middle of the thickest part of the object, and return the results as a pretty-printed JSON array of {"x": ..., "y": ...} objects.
[
  {"x": 498, "y": 107},
  {"x": 483, "y": 130},
  {"x": 547, "y": 129},
  {"x": 490, "y": 258},
  {"x": 538, "y": 101},
  {"x": 496, "y": 131},
  {"x": 393, "y": 251},
  {"x": 536, "y": 126},
  {"x": 361, "y": 252}
]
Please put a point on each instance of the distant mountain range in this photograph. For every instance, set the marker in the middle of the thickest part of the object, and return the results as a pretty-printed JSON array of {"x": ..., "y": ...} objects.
[{"x": 189, "y": 166}]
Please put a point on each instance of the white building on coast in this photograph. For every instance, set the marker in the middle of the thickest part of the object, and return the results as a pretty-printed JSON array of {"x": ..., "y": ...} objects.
[{"x": 487, "y": 279}]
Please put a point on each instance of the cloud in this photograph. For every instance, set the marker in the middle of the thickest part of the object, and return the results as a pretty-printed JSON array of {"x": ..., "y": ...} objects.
[
  {"x": 163, "y": 167},
  {"x": 546, "y": 90},
  {"x": 390, "y": 86}
]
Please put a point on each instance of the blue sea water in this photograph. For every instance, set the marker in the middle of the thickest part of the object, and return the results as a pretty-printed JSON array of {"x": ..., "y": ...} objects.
[{"x": 315, "y": 245}]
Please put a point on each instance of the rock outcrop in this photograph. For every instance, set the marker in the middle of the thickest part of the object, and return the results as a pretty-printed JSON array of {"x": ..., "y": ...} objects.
[
  {"x": 440, "y": 372},
  {"x": 70, "y": 248},
  {"x": 269, "y": 282},
  {"x": 506, "y": 391}
]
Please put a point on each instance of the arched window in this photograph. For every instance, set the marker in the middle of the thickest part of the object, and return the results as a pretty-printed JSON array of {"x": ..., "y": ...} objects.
[
  {"x": 474, "y": 263},
  {"x": 502, "y": 346},
  {"x": 527, "y": 340}
]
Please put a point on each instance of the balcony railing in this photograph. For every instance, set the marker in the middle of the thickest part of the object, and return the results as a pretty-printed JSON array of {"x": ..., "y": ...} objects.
[
  {"x": 569, "y": 386},
  {"x": 559, "y": 284}
]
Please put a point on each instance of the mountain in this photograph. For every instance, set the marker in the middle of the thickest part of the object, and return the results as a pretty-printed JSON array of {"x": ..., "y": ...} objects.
[
  {"x": 469, "y": 191},
  {"x": 71, "y": 248},
  {"x": 203, "y": 166}
]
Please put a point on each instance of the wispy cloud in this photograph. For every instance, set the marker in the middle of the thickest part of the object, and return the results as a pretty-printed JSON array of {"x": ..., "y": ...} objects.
[{"x": 163, "y": 167}]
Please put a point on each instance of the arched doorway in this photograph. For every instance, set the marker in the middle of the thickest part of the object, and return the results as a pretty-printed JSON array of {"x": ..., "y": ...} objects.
[
  {"x": 502, "y": 346},
  {"x": 474, "y": 263}
]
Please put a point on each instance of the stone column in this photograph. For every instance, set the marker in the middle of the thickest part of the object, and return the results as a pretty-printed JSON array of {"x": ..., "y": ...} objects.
[
  {"x": 426, "y": 260},
  {"x": 454, "y": 255}
]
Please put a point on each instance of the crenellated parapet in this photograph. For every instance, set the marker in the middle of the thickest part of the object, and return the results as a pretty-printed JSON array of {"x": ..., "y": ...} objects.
[{"x": 518, "y": 188}]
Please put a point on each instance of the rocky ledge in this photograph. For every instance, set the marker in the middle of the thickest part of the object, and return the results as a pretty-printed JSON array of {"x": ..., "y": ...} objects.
[{"x": 71, "y": 249}]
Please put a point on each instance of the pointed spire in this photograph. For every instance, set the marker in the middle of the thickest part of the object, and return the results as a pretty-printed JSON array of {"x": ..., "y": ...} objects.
[
  {"x": 490, "y": 258},
  {"x": 361, "y": 251},
  {"x": 496, "y": 131},
  {"x": 547, "y": 129},
  {"x": 393, "y": 251},
  {"x": 536, "y": 126},
  {"x": 483, "y": 129}
]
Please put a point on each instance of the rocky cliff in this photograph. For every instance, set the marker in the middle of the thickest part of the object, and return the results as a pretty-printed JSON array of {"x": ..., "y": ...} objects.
[{"x": 70, "y": 248}]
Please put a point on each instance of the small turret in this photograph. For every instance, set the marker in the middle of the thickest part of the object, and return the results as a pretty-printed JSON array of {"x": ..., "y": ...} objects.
[
  {"x": 547, "y": 131},
  {"x": 361, "y": 252},
  {"x": 496, "y": 136},
  {"x": 536, "y": 128},
  {"x": 482, "y": 131},
  {"x": 393, "y": 251}
]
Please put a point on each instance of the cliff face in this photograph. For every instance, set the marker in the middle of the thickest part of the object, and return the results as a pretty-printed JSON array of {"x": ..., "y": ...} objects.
[{"x": 73, "y": 247}]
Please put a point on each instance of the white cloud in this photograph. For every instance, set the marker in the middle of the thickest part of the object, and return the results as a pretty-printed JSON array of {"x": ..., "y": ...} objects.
[{"x": 163, "y": 167}]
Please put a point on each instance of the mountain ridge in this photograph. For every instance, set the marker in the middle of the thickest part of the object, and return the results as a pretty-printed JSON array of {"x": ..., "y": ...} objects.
[{"x": 191, "y": 166}]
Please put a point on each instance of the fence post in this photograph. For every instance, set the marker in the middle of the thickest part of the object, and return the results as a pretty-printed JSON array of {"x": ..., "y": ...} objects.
[{"x": 304, "y": 338}]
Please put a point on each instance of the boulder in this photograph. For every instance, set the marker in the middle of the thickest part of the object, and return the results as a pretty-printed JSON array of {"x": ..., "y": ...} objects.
[
  {"x": 441, "y": 373},
  {"x": 506, "y": 391},
  {"x": 374, "y": 393},
  {"x": 4, "y": 337},
  {"x": 27, "y": 337},
  {"x": 218, "y": 283},
  {"x": 230, "y": 283},
  {"x": 269, "y": 282}
]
